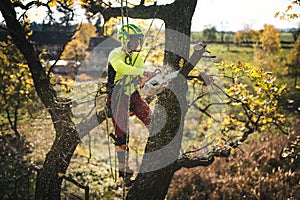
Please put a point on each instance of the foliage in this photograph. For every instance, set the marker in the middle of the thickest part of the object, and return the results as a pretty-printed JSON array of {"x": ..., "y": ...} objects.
[
  {"x": 57, "y": 2},
  {"x": 65, "y": 7},
  {"x": 294, "y": 61},
  {"x": 85, "y": 32},
  {"x": 289, "y": 12},
  {"x": 210, "y": 34},
  {"x": 17, "y": 90},
  {"x": 257, "y": 91},
  {"x": 110, "y": 26},
  {"x": 246, "y": 36},
  {"x": 270, "y": 40},
  {"x": 268, "y": 54},
  {"x": 76, "y": 48},
  {"x": 18, "y": 102},
  {"x": 247, "y": 97}
]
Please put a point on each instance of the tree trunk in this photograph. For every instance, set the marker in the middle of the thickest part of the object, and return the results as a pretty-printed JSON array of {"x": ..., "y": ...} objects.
[
  {"x": 162, "y": 149},
  {"x": 48, "y": 185}
]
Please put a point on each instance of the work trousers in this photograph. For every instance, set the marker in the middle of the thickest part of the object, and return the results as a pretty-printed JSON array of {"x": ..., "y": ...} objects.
[{"x": 121, "y": 104}]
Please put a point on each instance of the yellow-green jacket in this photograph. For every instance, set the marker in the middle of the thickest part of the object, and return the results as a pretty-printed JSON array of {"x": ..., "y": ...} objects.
[{"x": 122, "y": 66}]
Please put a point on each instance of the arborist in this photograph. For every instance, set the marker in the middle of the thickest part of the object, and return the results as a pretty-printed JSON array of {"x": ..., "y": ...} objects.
[{"x": 126, "y": 71}]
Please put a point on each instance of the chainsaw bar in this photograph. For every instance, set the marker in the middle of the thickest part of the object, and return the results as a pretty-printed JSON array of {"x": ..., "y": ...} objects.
[{"x": 157, "y": 83}]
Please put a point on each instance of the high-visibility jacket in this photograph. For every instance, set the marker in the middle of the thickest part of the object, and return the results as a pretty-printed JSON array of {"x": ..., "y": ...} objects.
[{"x": 122, "y": 65}]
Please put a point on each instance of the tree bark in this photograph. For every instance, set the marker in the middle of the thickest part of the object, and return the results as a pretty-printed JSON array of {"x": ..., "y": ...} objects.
[
  {"x": 48, "y": 184},
  {"x": 162, "y": 148}
]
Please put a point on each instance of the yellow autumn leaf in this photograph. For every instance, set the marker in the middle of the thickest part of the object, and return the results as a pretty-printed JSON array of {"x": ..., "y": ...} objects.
[
  {"x": 29, "y": 81},
  {"x": 181, "y": 62},
  {"x": 52, "y": 3},
  {"x": 52, "y": 81},
  {"x": 12, "y": 76},
  {"x": 70, "y": 2},
  {"x": 209, "y": 121},
  {"x": 28, "y": 86},
  {"x": 288, "y": 8},
  {"x": 30, "y": 33},
  {"x": 241, "y": 114},
  {"x": 262, "y": 128}
]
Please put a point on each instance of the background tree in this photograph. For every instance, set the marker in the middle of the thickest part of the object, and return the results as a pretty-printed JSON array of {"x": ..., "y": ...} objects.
[
  {"x": 76, "y": 48},
  {"x": 291, "y": 14},
  {"x": 210, "y": 34},
  {"x": 294, "y": 60},
  {"x": 48, "y": 183},
  {"x": 18, "y": 94},
  {"x": 247, "y": 36},
  {"x": 18, "y": 101},
  {"x": 268, "y": 54}
]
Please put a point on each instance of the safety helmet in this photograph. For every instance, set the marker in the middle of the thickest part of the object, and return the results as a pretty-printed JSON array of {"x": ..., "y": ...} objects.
[{"x": 129, "y": 30}]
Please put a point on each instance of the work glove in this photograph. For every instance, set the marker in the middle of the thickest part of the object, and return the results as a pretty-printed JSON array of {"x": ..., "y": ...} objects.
[{"x": 147, "y": 76}]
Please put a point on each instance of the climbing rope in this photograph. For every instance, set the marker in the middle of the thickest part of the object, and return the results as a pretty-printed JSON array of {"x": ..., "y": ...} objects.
[
  {"x": 146, "y": 35},
  {"x": 146, "y": 57},
  {"x": 126, "y": 80}
]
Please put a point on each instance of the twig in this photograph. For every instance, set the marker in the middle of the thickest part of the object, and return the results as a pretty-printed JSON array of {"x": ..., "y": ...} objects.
[{"x": 85, "y": 187}]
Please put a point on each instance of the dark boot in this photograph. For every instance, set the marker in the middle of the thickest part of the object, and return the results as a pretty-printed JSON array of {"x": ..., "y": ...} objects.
[
  {"x": 126, "y": 174},
  {"x": 124, "y": 170}
]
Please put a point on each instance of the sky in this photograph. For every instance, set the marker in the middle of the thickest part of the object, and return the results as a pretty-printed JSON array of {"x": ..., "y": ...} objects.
[
  {"x": 233, "y": 15},
  {"x": 230, "y": 15}
]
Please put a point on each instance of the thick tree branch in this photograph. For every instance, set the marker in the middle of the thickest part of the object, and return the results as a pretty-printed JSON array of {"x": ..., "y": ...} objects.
[
  {"x": 199, "y": 49},
  {"x": 140, "y": 11},
  {"x": 191, "y": 162},
  {"x": 187, "y": 161}
]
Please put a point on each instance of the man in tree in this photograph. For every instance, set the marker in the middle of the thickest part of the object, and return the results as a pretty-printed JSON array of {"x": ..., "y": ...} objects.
[{"x": 126, "y": 70}]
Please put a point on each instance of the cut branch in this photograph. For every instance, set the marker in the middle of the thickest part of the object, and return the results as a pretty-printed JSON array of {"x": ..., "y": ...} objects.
[
  {"x": 199, "y": 49},
  {"x": 140, "y": 11}
]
